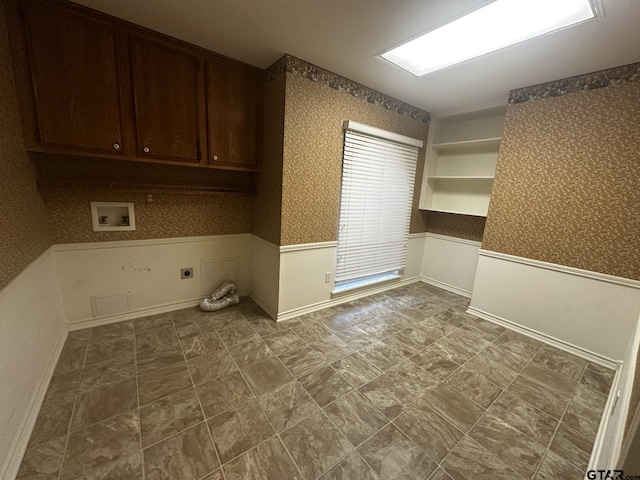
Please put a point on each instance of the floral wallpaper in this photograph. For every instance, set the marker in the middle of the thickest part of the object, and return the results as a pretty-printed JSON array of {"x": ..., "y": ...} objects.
[
  {"x": 313, "y": 144},
  {"x": 566, "y": 187},
  {"x": 168, "y": 216},
  {"x": 267, "y": 204},
  {"x": 453, "y": 225},
  {"x": 24, "y": 232}
]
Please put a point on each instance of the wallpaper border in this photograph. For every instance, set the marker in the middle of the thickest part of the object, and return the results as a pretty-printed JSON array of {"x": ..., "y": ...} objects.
[
  {"x": 588, "y": 81},
  {"x": 295, "y": 66}
]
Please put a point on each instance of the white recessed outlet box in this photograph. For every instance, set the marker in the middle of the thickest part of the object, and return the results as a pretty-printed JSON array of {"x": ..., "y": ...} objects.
[{"x": 112, "y": 216}]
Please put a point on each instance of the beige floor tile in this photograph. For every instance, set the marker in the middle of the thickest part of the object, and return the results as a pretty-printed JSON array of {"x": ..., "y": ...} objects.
[
  {"x": 287, "y": 405},
  {"x": 560, "y": 362},
  {"x": 316, "y": 445},
  {"x": 351, "y": 468},
  {"x": 162, "y": 382},
  {"x": 471, "y": 461},
  {"x": 529, "y": 420},
  {"x": 234, "y": 335},
  {"x": 381, "y": 356},
  {"x": 211, "y": 366},
  {"x": 496, "y": 363},
  {"x": 514, "y": 448},
  {"x": 519, "y": 344},
  {"x": 42, "y": 461},
  {"x": 201, "y": 344},
  {"x": 168, "y": 416},
  {"x": 553, "y": 467},
  {"x": 129, "y": 468},
  {"x": 268, "y": 461},
  {"x": 356, "y": 370},
  {"x": 598, "y": 380},
  {"x": 113, "y": 331},
  {"x": 429, "y": 430},
  {"x": 239, "y": 429},
  {"x": 152, "y": 322},
  {"x": 325, "y": 385},
  {"x": 155, "y": 338},
  {"x": 251, "y": 352},
  {"x": 332, "y": 348},
  {"x": 474, "y": 386},
  {"x": 101, "y": 444},
  {"x": 223, "y": 393},
  {"x": 267, "y": 375},
  {"x": 572, "y": 446},
  {"x": 101, "y": 352},
  {"x": 392, "y": 455},
  {"x": 356, "y": 417},
  {"x": 183, "y": 456},
  {"x": 101, "y": 403},
  {"x": 557, "y": 382},
  {"x": 303, "y": 361},
  {"x": 283, "y": 341},
  {"x": 53, "y": 419},
  {"x": 455, "y": 408},
  {"x": 98, "y": 374},
  {"x": 158, "y": 357}
]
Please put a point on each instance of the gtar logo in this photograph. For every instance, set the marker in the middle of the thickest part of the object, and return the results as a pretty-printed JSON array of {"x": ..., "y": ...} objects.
[{"x": 605, "y": 474}]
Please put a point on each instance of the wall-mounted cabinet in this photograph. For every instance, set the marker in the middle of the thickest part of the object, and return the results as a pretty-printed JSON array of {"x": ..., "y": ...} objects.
[
  {"x": 462, "y": 152},
  {"x": 92, "y": 85},
  {"x": 167, "y": 95},
  {"x": 75, "y": 76}
]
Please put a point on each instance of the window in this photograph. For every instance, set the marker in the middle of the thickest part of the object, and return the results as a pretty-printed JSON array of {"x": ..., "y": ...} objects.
[{"x": 378, "y": 173}]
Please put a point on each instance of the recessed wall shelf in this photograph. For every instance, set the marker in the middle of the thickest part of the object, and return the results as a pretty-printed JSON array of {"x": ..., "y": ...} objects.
[
  {"x": 462, "y": 152},
  {"x": 147, "y": 188}
]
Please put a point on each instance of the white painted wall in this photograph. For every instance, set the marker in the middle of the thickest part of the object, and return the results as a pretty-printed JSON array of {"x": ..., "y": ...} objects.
[
  {"x": 608, "y": 446},
  {"x": 450, "y": 263},
  {"x": 593, "y": 312},
  {"x": 32, "y": 333},
  {"x": 302, "y": 275},
  {"x": 147, "y": 273},
  {"x": 265, "y": 274}
]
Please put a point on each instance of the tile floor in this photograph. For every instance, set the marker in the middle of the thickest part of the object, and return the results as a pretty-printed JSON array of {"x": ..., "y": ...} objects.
[{"x": 399, "y": 385}]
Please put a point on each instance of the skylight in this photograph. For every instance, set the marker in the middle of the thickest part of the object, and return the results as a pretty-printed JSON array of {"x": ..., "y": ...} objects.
[{"x": 490, "y": 28}]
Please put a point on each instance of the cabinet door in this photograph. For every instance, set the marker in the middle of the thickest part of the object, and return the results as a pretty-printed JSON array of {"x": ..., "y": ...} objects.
[
  {"x": 75, "y": 79},
  {"x": 231, "y": 113},
  {"x": 166, "y": 91}
]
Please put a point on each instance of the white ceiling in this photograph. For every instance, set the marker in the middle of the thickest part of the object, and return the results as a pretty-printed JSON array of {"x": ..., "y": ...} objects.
[{"x": 344, "y": 36}]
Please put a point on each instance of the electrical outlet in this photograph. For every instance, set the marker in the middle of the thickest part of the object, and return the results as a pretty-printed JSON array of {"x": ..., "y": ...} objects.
[
  {"x": 327, "y": 277},
  {"x": 186, "y": 273}
]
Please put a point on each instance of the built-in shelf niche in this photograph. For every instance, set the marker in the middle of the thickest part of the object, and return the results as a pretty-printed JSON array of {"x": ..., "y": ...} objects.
[
  {"x": 462, "y": 152},
  {"x": 112, "y": 216}
]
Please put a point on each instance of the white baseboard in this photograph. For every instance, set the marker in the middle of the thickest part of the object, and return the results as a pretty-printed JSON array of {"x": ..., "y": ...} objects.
[
  {"x": 269, "y": 310},
  {"x": 343, "y": 299},
  {"x": 445, "y": 286},
  {"x": 19, "y": 446},
  {"x": 142, "y": 312},
  {"x": 544, "y": 338},
  {"x": 450, "y": 263}
]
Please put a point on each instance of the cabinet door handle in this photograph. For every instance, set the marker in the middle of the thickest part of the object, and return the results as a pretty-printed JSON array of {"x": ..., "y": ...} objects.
[
  {"x": 146, "y": 149},
  {"x": 116, "y": 146},
  {"x": 215, "y": 157}
]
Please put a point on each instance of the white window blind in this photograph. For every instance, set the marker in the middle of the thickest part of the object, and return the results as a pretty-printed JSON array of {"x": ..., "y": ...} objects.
[{"x": 375, "y": 207}]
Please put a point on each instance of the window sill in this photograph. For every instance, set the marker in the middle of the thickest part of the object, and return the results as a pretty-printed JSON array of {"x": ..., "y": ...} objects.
[{"x": 349, "y": 288}]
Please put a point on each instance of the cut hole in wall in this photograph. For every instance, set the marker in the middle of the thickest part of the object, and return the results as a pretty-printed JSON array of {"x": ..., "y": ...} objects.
[{"x": 112, "y": 216}]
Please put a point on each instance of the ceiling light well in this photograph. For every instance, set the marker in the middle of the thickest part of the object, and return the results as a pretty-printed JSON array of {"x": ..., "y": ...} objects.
[{"x": 491, "y": 27}]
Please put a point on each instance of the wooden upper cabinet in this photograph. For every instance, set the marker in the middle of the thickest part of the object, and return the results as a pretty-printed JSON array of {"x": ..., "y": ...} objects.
[
  {"x": 75, "y": 75},
  {"x": 167, "y": 91},
  {"x": 231, "y": 112}
]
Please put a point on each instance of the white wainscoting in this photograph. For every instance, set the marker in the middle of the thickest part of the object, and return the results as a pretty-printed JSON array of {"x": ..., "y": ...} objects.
[
  {"x": 450, "y": 263},
  {"x": 593, "y": 314},
  {"x": 32, "y": 334},
  {"x": 265, "y": 275},
  {"x": 608, "y": 444},
  {"x": 130, "y": 279},
  {"x": 302, "y": 276}
]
